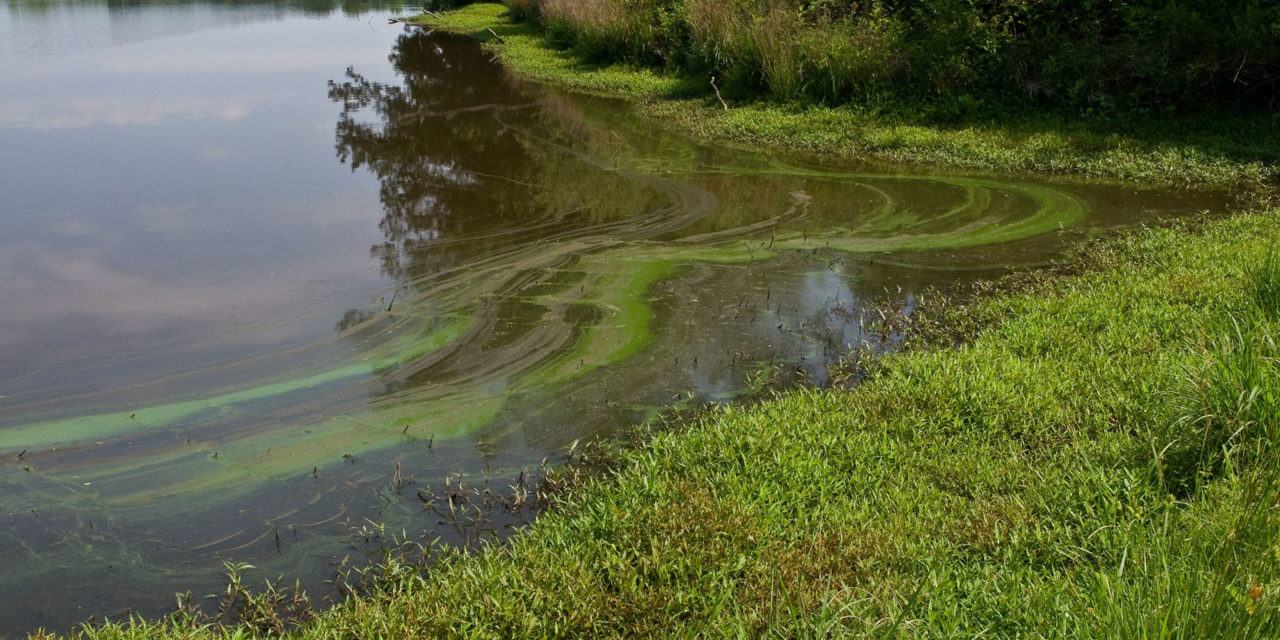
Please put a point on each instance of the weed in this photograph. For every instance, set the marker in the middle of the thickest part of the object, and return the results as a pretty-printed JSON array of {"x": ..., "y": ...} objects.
[
  {"x": 1230, "y": 407},
  {"x": 1264, "y": 282}
]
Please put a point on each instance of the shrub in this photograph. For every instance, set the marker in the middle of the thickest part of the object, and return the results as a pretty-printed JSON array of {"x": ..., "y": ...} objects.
[{"x": 1089, "y": 56}]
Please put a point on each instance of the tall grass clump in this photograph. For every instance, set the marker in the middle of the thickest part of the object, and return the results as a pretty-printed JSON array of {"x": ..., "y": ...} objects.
[
  {"x": 1264, "y": 283},
  {"x": 722, "y": 39},
  {"x": 1206, "y": 569},
  {"x": 852, "y": 59},
  {"x": 1209, "y": 568},
  {"x": 521, "y": 10},
  {"x": 1230, "y": 408},
  {"x": 650, "y": 32},
  {"x": 781, "y": 62},
  {"x": 949, "y": 57},
  {"x": 595, "y": 28},
  {"x": 777, "y": 47}
]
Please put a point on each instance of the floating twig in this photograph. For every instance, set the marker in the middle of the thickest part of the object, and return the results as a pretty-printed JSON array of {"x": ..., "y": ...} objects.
[
  {"x": 342, "y": 508},
  {"x": 219, "y": 540},
  {"x": 251, "y": 542}
]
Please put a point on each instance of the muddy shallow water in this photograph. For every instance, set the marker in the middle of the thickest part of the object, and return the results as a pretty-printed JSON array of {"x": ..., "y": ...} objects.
[{"x": 261, "y": 260}]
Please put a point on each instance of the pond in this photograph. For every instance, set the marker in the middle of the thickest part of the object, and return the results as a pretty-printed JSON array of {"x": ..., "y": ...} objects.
[{"x": 274, "y": 273}]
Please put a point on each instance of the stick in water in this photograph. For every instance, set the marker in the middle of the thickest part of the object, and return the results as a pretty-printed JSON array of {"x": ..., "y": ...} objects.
[{"x": 713, "y": 86}]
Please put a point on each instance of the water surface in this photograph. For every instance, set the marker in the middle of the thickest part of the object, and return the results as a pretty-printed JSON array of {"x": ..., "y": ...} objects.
[{"x": 260, "y": 260}]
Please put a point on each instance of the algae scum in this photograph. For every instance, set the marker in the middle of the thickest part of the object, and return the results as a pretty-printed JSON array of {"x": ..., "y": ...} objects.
[{"x": 222, "y": 344}]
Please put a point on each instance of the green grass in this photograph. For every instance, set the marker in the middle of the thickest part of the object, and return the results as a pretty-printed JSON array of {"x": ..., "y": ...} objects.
[
  {"x": 1098, "y": 461},
  {"x": 1264, "y": 281},
  {"x": 525, "y": 52},
  {"x": 1219, "y": 151}
]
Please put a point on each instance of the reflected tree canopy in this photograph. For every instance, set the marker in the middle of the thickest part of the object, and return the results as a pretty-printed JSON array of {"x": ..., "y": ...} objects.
[
  {"x": 465, "y": 153},
  {"x": 428, "y": 145}
]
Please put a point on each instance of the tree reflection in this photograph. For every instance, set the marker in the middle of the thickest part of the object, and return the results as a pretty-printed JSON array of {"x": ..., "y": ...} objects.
[
  {"x": 436, "y": 148},
  {"x": 469, "y": 160}
]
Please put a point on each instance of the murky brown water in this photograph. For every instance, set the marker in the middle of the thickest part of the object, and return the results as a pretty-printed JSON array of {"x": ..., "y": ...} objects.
[{"x": 258, "y": 258}]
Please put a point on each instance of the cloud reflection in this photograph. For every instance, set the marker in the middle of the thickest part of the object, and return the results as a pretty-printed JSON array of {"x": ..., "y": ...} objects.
[{"x": 118, "y": 111}]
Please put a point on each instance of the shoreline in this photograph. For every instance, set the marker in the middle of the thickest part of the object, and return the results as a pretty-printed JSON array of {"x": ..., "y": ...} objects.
[
  {"x": 1035, "y": 476},
  {"x": 1197, "y": 152},
  {"x": 1042, "y": 474}
]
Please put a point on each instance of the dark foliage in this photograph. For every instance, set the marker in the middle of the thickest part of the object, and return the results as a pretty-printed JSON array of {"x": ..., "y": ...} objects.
[{"x": 1093, "y": 57}]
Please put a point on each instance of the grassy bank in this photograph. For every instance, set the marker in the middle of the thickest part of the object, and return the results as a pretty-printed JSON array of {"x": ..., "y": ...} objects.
[
  {"x": 1218, "y": 151},
  {"x": 947, "y": 57},
  {"x": 1098, "y": 460}
]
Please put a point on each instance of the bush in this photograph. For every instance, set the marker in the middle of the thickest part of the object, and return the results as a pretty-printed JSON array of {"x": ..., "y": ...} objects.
[{"x": 1093, "y": 57}]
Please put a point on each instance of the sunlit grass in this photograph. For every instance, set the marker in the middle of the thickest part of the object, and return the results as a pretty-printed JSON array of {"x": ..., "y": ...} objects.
[
  {"x": 1264, "y": 281},
  {"x": 1208, "y": 568}
]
